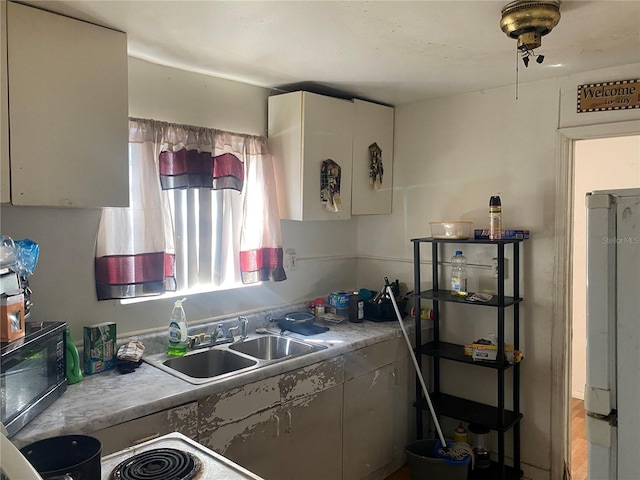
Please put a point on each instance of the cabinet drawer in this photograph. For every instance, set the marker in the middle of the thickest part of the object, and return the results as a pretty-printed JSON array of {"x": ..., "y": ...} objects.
[{"x": 370, "y": 358}]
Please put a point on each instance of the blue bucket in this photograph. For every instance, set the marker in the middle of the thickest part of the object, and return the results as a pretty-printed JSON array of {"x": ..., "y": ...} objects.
[{"x": 426, "y": 464}]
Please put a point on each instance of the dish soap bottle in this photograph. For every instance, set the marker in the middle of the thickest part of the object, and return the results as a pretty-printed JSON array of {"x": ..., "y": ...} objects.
[
  {"x": 178, "y": 337},
  {"x": 459, "y": 275}
]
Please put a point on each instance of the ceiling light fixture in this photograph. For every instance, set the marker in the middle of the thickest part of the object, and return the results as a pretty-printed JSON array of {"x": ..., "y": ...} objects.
[{"x": 528, "y": 21}]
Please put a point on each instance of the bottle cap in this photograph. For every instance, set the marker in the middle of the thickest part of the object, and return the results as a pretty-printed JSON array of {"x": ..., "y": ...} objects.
[
  {"x": 494, "y": 201},
  {"x": 458, "y": 252},
  {"x": 179, "y": 302}
]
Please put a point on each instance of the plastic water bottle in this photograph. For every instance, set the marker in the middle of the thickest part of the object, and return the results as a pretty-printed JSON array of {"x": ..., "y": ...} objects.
[
  {"x": 178, "y": 337},
  {"x": 459, "y": 275}
]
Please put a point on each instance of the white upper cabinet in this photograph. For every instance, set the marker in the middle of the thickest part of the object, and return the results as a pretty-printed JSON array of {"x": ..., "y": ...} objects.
[
  {"x": 5, "y": 195},
  {"x": 68, "y": 111},
  {"x": 372, "y": 137},
  {"x": 305, "y": 130}
]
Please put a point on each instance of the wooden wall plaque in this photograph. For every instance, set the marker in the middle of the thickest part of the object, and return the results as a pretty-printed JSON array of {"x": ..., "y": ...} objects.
[{"x": 618, "y": 95}]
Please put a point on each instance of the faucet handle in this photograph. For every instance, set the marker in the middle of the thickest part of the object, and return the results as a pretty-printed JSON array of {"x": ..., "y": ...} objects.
[{"x": 229, "y": 333}]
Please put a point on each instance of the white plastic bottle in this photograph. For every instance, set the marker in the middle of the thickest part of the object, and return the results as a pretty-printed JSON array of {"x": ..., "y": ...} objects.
[
  {"x": 178, "y": 336},
  {"x": 459, "y": 275}
]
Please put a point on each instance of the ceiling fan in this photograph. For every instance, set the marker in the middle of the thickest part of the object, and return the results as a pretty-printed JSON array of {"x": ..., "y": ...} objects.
[{"x": 528, "y": 21}]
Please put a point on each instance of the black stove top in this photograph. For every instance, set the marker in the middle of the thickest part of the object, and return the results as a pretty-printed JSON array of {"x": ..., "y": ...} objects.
[{"x": 158, "y": 464}]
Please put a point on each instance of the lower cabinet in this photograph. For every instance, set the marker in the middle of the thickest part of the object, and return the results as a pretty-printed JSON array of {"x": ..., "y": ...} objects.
[
  {"x": 368, "y": 420},
  {"x": 376, "y": 410},
  {"x": 183, "y": 419},
  {"x": 298, "y": 437},
  {"x": 346, "y": 418}
]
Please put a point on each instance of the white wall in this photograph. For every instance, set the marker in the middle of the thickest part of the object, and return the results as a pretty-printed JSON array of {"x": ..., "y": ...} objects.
[
  {"x": 63, "y": 281},
  {"x": 600, "y": 164},
  {"x": 451, "y": 155}
]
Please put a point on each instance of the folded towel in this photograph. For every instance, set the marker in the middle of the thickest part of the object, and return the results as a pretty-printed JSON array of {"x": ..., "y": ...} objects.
[
  {"x": 127, "y": 366},
  {"x": 301, "y": 328},
  {"x": 132, "y": 351}
]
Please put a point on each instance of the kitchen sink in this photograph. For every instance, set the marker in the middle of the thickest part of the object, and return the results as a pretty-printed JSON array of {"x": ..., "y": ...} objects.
[
  {"x": 225, "y": 360},
  {"x": 202, "y": 366},
  {"x": 273, "y": 348},
  {"x": 209, "y": 363}
]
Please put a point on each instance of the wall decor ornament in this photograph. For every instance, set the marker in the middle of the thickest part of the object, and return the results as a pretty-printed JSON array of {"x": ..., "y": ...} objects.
[
  {"x": 330, "y": 173},
  {"x": 376, "y": 169}
]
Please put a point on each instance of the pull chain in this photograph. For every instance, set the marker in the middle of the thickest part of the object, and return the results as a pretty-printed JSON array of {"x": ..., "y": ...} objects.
[{"x": 517, "y": 72}]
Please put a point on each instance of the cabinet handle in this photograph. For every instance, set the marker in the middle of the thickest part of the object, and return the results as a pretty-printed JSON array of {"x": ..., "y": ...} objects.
[
  {"x": 393, "y": 379},
  {"x": 288, "y": 430},
  {"x": 145, "y": 439},
  {"x": 277, "y": 425}
]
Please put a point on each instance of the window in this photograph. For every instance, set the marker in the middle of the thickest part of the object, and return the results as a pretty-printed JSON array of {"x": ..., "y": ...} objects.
[{"x": 203, "y": 215}]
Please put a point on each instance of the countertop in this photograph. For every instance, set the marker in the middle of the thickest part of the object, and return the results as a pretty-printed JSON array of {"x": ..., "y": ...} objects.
[{"x": 109, "y": 398}]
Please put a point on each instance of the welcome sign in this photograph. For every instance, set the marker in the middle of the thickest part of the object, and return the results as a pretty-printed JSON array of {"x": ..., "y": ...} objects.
[{"x": 619, "y": 95}]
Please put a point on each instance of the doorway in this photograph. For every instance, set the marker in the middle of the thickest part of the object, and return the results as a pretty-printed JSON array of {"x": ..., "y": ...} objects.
[{"x": 599, "y": 164}]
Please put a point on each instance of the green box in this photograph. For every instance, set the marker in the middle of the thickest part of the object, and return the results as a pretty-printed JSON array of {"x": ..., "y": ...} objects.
[{"x": 100, "y": 347}]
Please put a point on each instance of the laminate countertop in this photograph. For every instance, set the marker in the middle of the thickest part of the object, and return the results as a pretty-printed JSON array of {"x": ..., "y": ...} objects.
[{"x": 110, "y": 398}]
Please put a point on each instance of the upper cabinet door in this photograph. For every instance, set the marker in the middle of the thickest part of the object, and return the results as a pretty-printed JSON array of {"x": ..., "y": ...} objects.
[
  {"x": 306, "y": 129},
  {"x": 68, "y": 111},
  {"x": 5, "y": 185},
  {"x": 373, "y": 125}
]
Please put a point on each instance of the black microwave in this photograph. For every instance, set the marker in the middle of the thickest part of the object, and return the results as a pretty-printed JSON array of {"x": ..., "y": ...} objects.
[{"x": 32, "y": 373}]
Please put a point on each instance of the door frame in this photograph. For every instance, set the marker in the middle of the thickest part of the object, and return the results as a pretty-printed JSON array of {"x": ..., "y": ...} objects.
[{"x": 562, "y": 301}]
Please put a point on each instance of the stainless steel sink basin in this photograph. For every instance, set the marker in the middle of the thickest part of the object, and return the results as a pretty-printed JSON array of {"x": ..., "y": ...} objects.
[
  {"x": 273, "y": 347},
  {"x": 226, "y": 360},
  {"x": 204, "y": 365}
]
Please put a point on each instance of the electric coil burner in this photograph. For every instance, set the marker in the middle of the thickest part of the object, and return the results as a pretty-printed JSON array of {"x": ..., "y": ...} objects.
[
  {"x": 171, "y": 457},
  {"x": 158, "y": 464}
]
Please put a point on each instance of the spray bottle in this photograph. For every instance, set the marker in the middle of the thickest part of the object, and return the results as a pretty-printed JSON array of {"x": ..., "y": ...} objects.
[
  {"x": 178, "y": 336},
  {"x": 495, "y": 218}
]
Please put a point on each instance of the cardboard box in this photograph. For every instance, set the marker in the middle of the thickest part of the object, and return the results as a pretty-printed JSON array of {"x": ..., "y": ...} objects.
[
  {"x": 487, "y": 353},
  {"x": 480, "y": 234},
  {"x": 100, "y": 347},
  {"x": 340, "y": 299},
  {"x": 12, "y": 318}
]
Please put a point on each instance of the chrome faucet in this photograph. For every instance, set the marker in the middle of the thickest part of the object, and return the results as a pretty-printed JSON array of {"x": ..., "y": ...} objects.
[
  {"x": 219, "y": 336},
  {"x": 217, "y": 332},
  {"x": 242, "y": 327}
]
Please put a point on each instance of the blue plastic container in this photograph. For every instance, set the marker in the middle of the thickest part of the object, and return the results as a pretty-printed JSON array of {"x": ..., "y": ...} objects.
[{"x": 425, "y": 464}]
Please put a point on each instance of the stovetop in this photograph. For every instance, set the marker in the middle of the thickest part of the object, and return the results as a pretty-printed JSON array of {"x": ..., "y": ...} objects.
[{"x": 212, "y": 465}]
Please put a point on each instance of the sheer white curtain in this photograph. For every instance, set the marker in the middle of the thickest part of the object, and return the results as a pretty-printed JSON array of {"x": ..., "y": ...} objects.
[{"x": 202, "y": 202}]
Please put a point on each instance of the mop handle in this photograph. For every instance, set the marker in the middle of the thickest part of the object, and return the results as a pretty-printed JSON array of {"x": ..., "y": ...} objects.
[{"x": 416, "y": 366}]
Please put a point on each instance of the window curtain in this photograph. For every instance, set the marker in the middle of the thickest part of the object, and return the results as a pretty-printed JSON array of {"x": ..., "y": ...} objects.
[{"x": 203, "y": 213}]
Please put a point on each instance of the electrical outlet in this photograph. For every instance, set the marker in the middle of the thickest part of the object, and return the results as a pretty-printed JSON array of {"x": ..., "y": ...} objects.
[
  {"x": 291, "y": 261},
  {"x": 494, "y": 267}
]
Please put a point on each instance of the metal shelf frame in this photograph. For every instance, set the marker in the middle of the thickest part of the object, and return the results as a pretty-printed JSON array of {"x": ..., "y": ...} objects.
[{"x": 496, "y": 418}]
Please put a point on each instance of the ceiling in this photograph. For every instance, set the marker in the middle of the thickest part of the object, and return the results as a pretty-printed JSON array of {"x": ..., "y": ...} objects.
[{"x": 392, "y": 52}]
